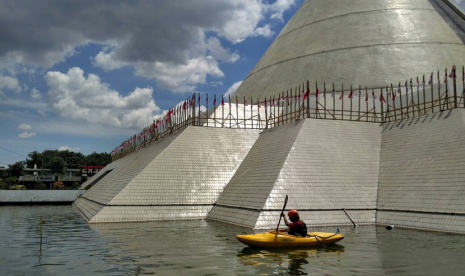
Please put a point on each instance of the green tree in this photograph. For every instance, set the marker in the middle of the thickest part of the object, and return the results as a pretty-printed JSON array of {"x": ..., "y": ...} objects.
[
  {"x": 17, "y": 169},
  {"x": 76, "y": 185},
  {"x": 17, "y": 187},
  {"x": 40, "y": 186},
  {"x": 98, "y": 159},
  {"x": 10, "y": 181},
  {"x": 3, "y": 185},
  {"x": 58, "y": 166}
]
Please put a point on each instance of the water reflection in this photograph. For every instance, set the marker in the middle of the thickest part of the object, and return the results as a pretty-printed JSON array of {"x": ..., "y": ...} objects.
[{"x": 292, "y": 261}]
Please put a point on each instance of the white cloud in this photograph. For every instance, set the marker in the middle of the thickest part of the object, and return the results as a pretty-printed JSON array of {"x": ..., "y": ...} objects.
[
  {"x": 35, "y": 94},
  {"x": 181, "y": 78},
  {"x": 264, "y": 31},
  {"x": 279, "y": 7},
  {"x": 74, "y": 96},
  {"x": 25, "y": 135},
  {"x": 243, "y": 20},
  {"x": 63, "y": 148},
  {"x": 9, "y": 83},
  {"x": 24, "y": 126},
  {"x": 220, "y": 53},
  {"x": 232, "y": 89}
]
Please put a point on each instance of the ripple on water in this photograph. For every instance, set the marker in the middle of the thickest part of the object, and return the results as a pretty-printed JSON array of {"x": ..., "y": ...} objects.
[{"x": 72, "y": 247}]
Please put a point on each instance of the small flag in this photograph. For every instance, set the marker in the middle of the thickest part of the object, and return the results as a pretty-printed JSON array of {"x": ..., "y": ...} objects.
[
  {"x": 184, "y": 105},
  {"x": 430, "y": 82},
  {"x": 245, "y": 103},
  {"x": 222, "y": 100},
  {"x": 283, "y": 99},
  {"x": 207, "y": 100},
  {"x": 307, "y": 94},
  {"x": 406, "y": 86},
  {"x": 366, "y": 97},
  {"x": 333, "y": 93},
  {"x": 445, "y": 77},
  {"x": 192, "y": 101},
  {"x": 423, "y": 82},
  {"x": 351, "y": 93},
  {"x": 342, "y": 95},
  {"x": 373, "y": 94},
  {"x": 199, "y": 99},
  {"x": 418, "y": 84},
  {"x": 452, "y": 74},
  {"x": 393, "y": 95},
  {"x": 265, "y": 103},
  {"x": 381, "y": 98},
  {"x": 317, "y": 92},
  {"x": 214, "y": 100}
]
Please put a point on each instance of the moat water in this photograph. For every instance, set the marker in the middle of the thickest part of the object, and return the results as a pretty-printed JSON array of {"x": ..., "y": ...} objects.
[{"x": 72, "y": 247}]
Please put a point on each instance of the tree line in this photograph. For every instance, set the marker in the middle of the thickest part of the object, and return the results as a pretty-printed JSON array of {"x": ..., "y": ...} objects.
[{"x": 58, "y": 161}]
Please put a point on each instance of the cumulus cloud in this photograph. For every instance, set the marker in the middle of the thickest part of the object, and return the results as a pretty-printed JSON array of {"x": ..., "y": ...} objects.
[
  {"x": 24, "y": 126},
  {"x": 25, "y": 135},
  {"x": 155, "y": 37},
  {"x": 9, "y": 83},
  {"x": 72, "y": 95},
  {"x": 35, "y": 94},
  {"x": 232, "y": 89},
  {"x": 63, "y": 148},
  {"x": 279, "y": 7}
]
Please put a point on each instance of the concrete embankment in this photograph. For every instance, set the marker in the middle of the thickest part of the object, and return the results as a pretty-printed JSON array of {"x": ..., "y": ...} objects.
[{"x": 39, "y": 196}]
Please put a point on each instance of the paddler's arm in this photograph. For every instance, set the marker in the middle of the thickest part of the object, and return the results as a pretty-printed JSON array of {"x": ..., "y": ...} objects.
[{"x": 285, "y": 219}]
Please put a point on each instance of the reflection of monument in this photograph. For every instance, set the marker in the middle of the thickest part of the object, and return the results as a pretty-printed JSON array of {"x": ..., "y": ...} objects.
[{"x": 406, "y": 171}]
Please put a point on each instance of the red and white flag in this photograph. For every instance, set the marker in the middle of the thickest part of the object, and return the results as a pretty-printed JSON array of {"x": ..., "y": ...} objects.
[
  {"x": 342, "y": 95},
  {"x": 245, "y": 103},
  {"x": 373, "y": 94},
  {"x": 265, "y": 103},
  {"x": 381, "y": 98},
  {"x": 222, "y": 100},
  {"x": 430, "y": 82},
  {"x": 192, "y": 100},
  {"x": 306, "y": 94},
  {"x": 333, "y": 93},
  {"x": 452, "y": 74},
  {"x": 351, "y": 94},
  {"x": 283, "y": 99},
  {"x": 366, "y": 96},
  {"x": 317, "y": 92}
]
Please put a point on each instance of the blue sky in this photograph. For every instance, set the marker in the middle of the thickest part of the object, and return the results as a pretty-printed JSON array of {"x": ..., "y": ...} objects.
[{"x": 86, "y": 75}]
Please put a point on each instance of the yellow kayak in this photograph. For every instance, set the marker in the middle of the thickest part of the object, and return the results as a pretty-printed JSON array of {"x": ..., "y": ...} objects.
[{"x": 284, "y": 240}]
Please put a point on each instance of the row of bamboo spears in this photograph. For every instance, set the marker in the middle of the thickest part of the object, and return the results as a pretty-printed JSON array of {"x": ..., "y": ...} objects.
[{"x": 377, "y": 105}]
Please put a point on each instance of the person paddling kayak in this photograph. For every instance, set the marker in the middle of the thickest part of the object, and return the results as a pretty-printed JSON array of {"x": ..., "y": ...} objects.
[{"x": 296, "y": 227}]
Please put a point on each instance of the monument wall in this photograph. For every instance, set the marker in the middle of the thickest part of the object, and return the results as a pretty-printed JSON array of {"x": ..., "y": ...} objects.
[{"x": 421, "y": 178}]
